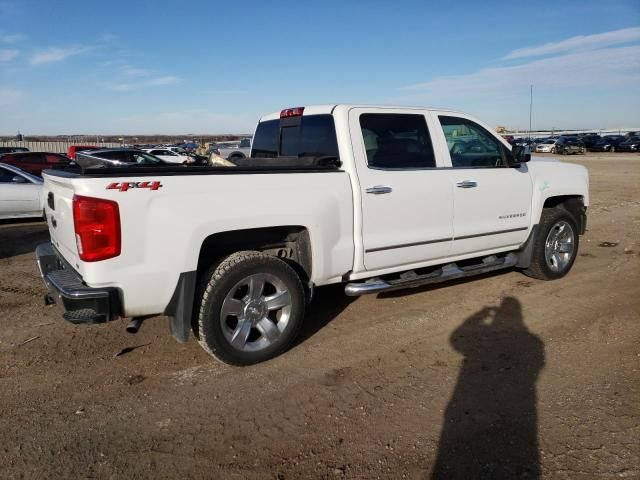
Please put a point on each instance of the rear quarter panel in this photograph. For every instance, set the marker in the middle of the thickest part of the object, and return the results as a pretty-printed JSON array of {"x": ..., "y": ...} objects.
[{"x": 163, "y": 230}]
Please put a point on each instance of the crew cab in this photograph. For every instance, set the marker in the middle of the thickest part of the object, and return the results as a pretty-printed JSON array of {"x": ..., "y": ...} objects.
[{"x": 377, "y": 198}]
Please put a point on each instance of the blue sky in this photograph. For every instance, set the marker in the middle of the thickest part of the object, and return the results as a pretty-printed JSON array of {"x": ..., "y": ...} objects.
[{"x": 141, "y": 66}]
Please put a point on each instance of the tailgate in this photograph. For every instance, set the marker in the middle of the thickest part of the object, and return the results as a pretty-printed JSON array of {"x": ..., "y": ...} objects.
[{"x": 58, "y": 194}]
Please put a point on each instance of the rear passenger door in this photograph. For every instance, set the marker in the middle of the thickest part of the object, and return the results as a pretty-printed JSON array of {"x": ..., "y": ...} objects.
[
  {"x": 492, "y": 201},
  {"x": 406, "y": 200}
]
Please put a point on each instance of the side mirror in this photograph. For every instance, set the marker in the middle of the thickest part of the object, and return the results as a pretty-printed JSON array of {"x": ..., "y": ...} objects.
[
  {"x": 18, "y": 179},
  {"x": 521, "y": 154}
]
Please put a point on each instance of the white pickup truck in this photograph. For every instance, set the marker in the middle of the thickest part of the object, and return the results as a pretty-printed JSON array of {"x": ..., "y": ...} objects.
[{"x": 375, "y": 197}]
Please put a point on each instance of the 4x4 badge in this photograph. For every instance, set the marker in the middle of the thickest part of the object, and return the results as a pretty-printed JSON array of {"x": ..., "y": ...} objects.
[{"x": 124, "y": 186}]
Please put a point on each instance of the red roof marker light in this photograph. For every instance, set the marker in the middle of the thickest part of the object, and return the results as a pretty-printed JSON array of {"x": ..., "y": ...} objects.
[{"x": 292, "y": 112}]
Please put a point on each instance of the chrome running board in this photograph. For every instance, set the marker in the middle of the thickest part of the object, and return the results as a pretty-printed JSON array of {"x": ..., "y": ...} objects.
[{"x": 445, "y": 273}]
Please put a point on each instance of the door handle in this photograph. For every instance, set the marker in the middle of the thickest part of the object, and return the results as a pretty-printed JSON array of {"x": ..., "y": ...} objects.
[
  {"x": 379, "y": 189},
  {"x": 467, "y": 184}
]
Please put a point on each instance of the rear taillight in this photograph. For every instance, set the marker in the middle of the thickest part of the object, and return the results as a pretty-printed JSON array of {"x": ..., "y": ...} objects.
[
  {"x": 97, "y": 225},
  {"x": 292, "y": 112}
]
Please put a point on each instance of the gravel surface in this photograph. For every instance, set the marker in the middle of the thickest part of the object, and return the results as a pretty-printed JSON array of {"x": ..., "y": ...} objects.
[{"x": 497, "y": 377}]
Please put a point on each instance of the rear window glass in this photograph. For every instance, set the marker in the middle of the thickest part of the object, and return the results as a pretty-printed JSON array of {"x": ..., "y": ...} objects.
[{"x": 313, "y": 136}]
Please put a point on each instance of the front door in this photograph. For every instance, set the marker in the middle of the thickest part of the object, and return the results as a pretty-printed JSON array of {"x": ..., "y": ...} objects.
[
  {"x": 492, "y": 201},
  {"x": 406, "y": 201}
]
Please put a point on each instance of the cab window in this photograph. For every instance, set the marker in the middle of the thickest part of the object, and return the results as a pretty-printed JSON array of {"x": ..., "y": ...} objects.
[
  {"x": 396, "y": 141},
  {"x": 472, "y": 146}
]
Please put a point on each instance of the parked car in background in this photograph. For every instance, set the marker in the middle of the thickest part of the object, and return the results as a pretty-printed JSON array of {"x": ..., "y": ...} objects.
[
  {"x": 231, "y": 150},
  {"x": 73, "y": 149},
  {"x": 631, "y": 144},
  {"x": 187, "y": 147},
  {"x": 170, "y": 156},
  {"x": 590, "y": 139},
  {"x": 546, "y": 146},
  {"x": 20, "y": 193},
  {"x": 13, "y": 149},
  {"x": 607, "y": 144},
  {"x": 35, "y": 162},
  {"x": 117, "y": 157},
  {"x": 569, "y": 145}
]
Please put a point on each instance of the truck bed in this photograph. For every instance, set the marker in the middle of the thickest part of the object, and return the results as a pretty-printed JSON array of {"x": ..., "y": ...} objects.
[{"x": 246, "y": 166}]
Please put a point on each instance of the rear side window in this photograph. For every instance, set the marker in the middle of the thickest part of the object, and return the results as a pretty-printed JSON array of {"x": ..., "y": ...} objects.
[
  {"x": 397, "y": 141},
  {"x": 122, "y": 156},
  {"x": 470, "y": 145},
  {"x": 311, "y": 136}
]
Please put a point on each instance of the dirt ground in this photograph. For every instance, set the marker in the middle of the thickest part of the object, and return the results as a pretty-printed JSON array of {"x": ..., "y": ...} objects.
[{"x": 497, "y": 377}]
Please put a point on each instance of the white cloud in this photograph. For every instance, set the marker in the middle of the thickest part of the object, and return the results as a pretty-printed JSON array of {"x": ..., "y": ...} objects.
[
  {"x": 151, "y": 82},
  {"x": 56, "y": 54},
  {"x": 604, "y": 68},
  {"x": 578, "y": 43},
  {"x": 12, "y": 38},
  {"x": 7, "y": 55},
  {"x": 137, "y": 72},
  {"x": 10, "y": 96}
]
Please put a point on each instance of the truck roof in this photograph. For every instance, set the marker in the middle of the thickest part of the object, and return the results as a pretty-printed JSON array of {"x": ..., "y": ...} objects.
[{"x": 329, "y": 108}]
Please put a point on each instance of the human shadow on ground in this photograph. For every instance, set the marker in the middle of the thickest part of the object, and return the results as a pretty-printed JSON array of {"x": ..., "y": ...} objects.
[{"x": 490, "y": 429}]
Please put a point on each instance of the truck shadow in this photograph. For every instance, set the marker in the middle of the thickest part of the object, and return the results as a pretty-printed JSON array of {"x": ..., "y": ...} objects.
[
  {"x": 18, "y": 237},
  {"x": 328, "y": 303},
  {"x": 449, "y": 283},
  {"x": 490, "y": 428}
]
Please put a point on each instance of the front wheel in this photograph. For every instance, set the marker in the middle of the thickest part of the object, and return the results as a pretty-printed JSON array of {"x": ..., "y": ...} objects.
[
  {"x": 612, "y": 149},
  {"x": 556, "y": 245},
  {"x": 251, "y": 310}
]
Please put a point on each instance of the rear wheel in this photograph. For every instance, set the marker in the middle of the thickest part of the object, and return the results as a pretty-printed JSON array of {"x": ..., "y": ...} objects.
[
  {"x": 251, "y": 310},
  {"x": 556, "y": 245}
]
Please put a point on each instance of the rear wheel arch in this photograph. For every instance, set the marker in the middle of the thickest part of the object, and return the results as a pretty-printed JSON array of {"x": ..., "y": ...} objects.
[{"x": 290, "y": 243}]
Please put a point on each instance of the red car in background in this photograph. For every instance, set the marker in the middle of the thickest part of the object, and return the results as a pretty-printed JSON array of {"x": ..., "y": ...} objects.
[
  {"x": 35, "y": 162},
  {"x": 73, "y": 149}
]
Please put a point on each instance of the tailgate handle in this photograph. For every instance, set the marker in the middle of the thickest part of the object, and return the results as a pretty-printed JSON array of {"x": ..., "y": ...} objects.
[{"x": 50, "y": 201}]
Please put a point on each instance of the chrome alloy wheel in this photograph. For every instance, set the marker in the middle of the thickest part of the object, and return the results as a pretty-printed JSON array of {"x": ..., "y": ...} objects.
[
  {"x": 559, "y": 246},
  {"x": 255, "y": 312}
]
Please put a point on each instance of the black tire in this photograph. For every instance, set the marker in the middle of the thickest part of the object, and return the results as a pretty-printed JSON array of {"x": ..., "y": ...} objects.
[
  {"x": 539, "y": 268},
  {"x": 219, "y": 281}
]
